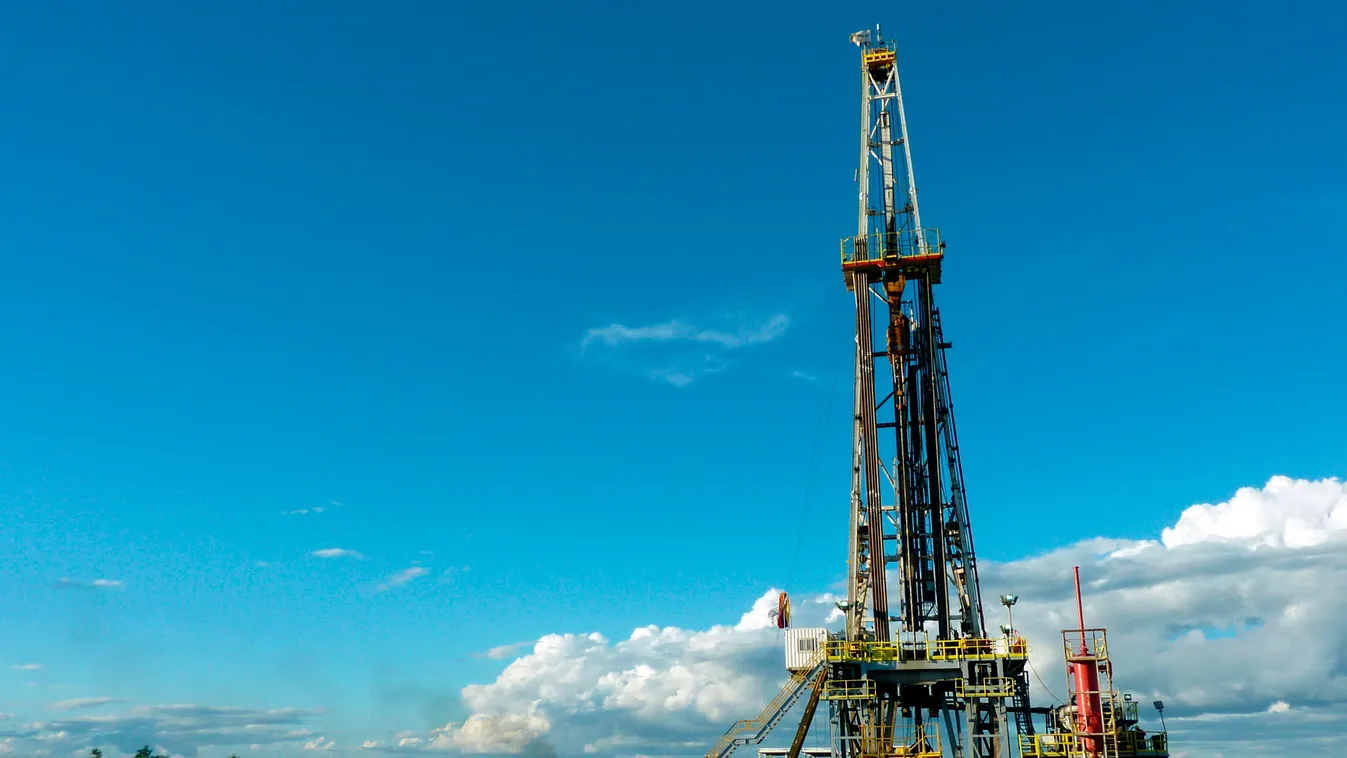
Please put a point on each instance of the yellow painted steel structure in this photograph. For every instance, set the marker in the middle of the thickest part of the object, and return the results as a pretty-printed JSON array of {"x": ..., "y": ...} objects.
[{"x": 926, "y": 649}]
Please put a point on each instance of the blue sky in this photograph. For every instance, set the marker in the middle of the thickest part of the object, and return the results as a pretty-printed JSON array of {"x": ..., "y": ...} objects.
[{"x": 345, "y": 257}]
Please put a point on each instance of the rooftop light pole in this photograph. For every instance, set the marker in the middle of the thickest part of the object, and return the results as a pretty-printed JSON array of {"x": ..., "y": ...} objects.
[{"x": 1007, "y": 601}]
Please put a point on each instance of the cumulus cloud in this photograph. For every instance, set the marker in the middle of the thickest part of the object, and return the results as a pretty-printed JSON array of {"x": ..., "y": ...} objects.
[
  {"x": 1285, "y": 512},
  {"x": 682, "y": 351},
  {"x": 661, "y": 686},
  {"x": 337, "y": 552},
  {"x": 321, "y": 743},
  {"x": 80, "y": 703},
  {"x": 28, "y": 667},
  {"x": 1226, "y": 618},
  {"x": 91, "y": 584},
  {"x": 179, "y": 729},
  {"x": 402, "y": 577}
]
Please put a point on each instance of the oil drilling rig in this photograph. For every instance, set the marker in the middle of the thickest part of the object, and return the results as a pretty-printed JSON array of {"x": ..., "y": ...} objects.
[{"x": 916, "y": 673}]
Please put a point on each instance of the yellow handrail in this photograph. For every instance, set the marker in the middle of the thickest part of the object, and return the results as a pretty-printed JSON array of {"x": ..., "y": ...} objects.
[
  {"x": 923, "y": 648},
  {"x": 879, "y": 245}
]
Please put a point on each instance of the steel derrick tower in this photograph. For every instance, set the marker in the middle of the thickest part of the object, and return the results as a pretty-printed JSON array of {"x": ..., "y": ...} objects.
[
  {"x": 908, "y": 511},
  {"x": 915, "y": 673}
]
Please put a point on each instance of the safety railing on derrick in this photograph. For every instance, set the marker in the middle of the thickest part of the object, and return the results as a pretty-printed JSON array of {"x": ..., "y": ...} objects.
[
  {"x": 923, "y": 648},
  {"x": 1085, "y": 644},
  {"x": 880, "y": 245},
  {"x": 1050, "y": 746},
  {"x": 996, "y": 686},
  {"x": 1142, "y": 744},
  {"x": 907, "y": 740},
  {"x": 849, "y": 689}
]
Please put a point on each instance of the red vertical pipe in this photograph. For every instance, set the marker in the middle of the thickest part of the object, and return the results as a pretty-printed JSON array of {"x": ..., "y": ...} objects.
[
  {"x": 1080, "y": 609},
  {"x": 1089, "y": 713}
]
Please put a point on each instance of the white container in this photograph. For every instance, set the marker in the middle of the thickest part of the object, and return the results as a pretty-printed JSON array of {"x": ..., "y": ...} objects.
[{"x": 804, "y": 648}]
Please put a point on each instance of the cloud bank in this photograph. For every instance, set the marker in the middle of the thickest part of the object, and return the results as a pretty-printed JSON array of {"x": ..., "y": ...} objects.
[
  {"x": 1227, "y": 618},
  {"x": 178, "y": 729}
]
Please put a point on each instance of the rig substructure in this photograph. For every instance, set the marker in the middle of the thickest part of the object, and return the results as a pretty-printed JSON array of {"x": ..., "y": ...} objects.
[{"x": 916, "y": 673}]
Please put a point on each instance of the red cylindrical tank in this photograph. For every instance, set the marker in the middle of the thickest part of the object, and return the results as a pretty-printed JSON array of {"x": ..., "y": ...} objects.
[
  {"x": 1089, "y": 720},
  {"x": 1089, "y": 713}
]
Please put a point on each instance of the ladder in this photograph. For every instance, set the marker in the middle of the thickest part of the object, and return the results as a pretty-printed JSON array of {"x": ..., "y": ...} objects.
[{"x": 755, "y": 730}]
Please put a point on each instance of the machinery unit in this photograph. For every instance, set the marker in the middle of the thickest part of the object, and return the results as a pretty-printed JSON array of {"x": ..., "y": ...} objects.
[{"x": 916, "y": 673}]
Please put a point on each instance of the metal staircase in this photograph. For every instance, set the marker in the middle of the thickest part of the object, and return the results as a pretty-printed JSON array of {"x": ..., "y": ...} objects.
[
  {"x": 1024, "y": 722},
  {"x": 754, "y": 730}
]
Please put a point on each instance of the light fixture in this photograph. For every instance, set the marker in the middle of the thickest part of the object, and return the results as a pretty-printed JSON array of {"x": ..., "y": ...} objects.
[{"x": 1007, "y": 601}]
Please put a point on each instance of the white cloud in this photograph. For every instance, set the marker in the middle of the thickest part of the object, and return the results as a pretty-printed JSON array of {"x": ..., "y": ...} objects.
[
  {"x": 337, "y": 552},
  {"x": 678, "y": 330},
  {"x": 305, "y": 511},
  {"x": 502, "y": 652},
  {"x": 28, "y": 667},
  {"x": 1229, "y": 624},
  {"x": 685, "y": 351},
  {"x": 321, "y": 743},
  {"x": 659, "y": 687},
  {"x": 1285, "y": 512},
  {"x": 80, "y": 703},
  {"x": 403, "y": 576},
  {"x": 94, "y": 584}
]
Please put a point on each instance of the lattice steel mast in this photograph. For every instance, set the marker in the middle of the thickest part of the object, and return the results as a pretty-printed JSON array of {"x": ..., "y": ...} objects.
[
  {"x": 907, "y": 500},
  {"x": 915, "y": 504},
  {"x": 918, "y": 664}
]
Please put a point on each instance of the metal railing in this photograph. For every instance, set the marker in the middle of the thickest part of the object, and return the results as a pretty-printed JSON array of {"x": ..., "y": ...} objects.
[
  {"x": 1050, "y": 745},
  {"x": 748, "y": 730},
  {"x": 1143, "y": 744},
  {"x": 849, "y": 689},
  {"x": 997, "y": 686},
  {"x": 923, "y": 648},
  {"x": 907, "y": 740},
  {"x": 879, "y": 245},
  {"x": 1085, "y": 644}
]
